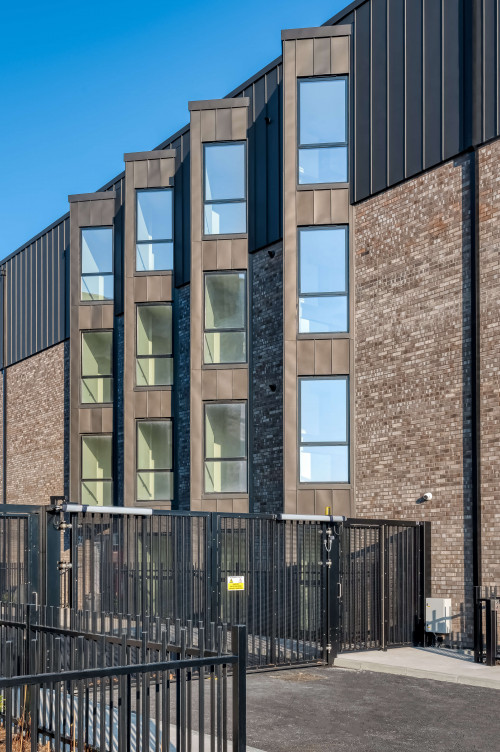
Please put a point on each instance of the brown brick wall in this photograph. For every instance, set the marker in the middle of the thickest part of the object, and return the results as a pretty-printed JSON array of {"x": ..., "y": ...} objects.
[
  {"x": 489, "y": 215},
  {"x": 412, "y": 368},
  {"x": 35, "y": 428}
]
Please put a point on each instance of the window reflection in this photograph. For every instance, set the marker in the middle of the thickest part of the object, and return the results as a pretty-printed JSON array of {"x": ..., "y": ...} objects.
[
  {"x": 322, "y": 126},
  {"x": 225, "y": 189}
]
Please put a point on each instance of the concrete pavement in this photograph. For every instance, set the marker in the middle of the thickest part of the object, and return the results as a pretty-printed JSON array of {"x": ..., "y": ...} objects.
[{"x": 424, "y": 663}]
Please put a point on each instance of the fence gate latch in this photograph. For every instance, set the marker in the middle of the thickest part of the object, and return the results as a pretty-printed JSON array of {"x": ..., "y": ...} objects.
[{"x": 64, "y": 566}]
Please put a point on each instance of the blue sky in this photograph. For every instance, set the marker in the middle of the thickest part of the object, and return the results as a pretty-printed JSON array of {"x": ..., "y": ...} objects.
[{"x": 82, "y": 83}]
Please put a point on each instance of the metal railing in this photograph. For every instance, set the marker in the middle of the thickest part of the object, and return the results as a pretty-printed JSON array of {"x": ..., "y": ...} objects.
[
  {"x": 119, "y": 689},
  {"x": 487, "y": 634},
  {"x": 310, "y": 588},
  {"x": 383, "y": 577}
]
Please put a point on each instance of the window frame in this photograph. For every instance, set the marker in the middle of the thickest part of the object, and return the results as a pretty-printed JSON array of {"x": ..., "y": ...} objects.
[
  {"x": 82, "y": 376},
  {"x": 213, "y": 202},
  {"x": 153, "y": 357},
  {"x": 138, "y": 470},
  {"x": 326, "y": 145},
  {"x": 152, "y": 242},
  {"x": 346, "y": 443},
  {"x": 230, "y": 494},
  {"x": 346, "y": 294},
  {"x": 225, "y": 364},
  {"x": 107, "y": 301},
  {"x": 96, "y": 480}
]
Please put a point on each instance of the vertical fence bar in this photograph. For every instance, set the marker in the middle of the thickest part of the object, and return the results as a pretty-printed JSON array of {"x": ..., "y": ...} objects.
[
  {"x": 239, "y": 646},
  {"x": 491, "y": 632}
]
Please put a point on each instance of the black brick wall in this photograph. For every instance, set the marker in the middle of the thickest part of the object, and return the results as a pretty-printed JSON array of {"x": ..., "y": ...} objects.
[
  {"x": 181, "y": 397},
  {"x": 266, "y": 368},
  {"x": 118, "y": 418}
]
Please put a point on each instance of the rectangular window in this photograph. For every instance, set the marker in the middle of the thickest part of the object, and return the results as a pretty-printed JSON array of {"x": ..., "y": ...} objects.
[
  {"x": 97, "y": 472},
  {"x": 155, "y": 477},
  {"x": 322, "y": 130},
  {"x": 324, "y": 430},
  {"x": 154, "y": 362},
  {"x": 323, "y": 279},
  {"x": 225, "y": 188},
  {"x": 225, "y": 317},
  {"x": 97, "y": 264},
  {"x": 226, "y": 447},
  {"x": 97, "y": 367},
  {"x": 155, "y": 230}
]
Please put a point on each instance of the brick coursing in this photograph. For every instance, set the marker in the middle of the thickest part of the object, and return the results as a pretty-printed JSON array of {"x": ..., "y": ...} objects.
[
  {"x": 181, "y": 397},
  {"x": 412, "y": 369},
  {"x": 36, "y": 427},
  {"x": 489, "y": 275},
  {"x": 266, "y": 406}
]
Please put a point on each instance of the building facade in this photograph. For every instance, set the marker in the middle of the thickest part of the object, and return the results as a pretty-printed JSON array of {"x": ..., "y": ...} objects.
[{"x": 291, "y": 305}]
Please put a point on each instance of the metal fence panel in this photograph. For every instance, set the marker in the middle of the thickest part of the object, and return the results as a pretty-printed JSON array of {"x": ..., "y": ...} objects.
[
  {"x": 71, "y": 688},
  {"x": 19, "y": 554},
  {"x": 309, "y": 588}
]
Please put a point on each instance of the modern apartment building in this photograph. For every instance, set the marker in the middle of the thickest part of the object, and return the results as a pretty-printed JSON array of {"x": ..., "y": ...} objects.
[{"x": 291, "y": 305}]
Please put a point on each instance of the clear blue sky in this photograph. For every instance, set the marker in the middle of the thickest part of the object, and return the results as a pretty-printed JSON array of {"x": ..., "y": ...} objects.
[{"x": 83, "y": 82}]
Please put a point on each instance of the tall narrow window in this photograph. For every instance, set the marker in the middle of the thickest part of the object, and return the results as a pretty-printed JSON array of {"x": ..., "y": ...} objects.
[
  {"x": 97, "y": 473},
  {"x": 154, "y": 362},
  {"x": 225, "y": 448},
  {"x": 155, "y": 477},
  {"x": 97, "y": 264},
  {"x": 322, "y": 130},
  {"x": 323, "y": 279},
  {"x": 324, "y": 431},
  {"x": 97, "y": 367},
  {"x": 225, "y": 189},
  {"x": 225, "y": 318},
  {"x": 155, "y": 230}
]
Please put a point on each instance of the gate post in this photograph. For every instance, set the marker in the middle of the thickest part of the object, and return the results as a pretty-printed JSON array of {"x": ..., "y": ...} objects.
[
  {"x": 424, "y": 563},
  {"x": 491, "y": 632},
  {"x": 334, "y": 596},
  {"x": 50, "y": 556},
  {"x": 215, "y": 607}
]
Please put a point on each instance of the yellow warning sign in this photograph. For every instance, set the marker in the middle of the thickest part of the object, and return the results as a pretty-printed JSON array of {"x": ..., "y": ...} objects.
[{"x": 236, "y": 583}]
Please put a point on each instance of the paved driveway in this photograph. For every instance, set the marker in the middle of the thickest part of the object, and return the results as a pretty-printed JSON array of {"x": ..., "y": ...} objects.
[{"x": 320, "y": 709}]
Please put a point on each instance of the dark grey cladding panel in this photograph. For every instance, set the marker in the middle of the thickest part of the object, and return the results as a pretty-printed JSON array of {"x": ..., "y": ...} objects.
[
  {"x": 413, "y": 102},
  {"x": 34, "y": 290},
  {"x": 265, "y": 158},
  {"x": 486, "y": 71}
]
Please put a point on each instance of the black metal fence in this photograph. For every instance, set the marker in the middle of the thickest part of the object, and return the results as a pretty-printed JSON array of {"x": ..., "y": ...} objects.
[
  {"x": 102, "y": 682},
  {"x": 306, "y": 589},
  {"x": 384, "y": 573},
  {"x": 487, "y": 633},
  {"x": 19, "y": 531}
]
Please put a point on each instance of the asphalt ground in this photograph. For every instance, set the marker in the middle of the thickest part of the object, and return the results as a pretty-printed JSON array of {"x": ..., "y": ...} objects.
[{"x": 322, "y": 709}]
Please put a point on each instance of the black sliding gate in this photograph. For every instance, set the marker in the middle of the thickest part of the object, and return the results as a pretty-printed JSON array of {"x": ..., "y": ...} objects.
[{"x": 305, "y": 589}]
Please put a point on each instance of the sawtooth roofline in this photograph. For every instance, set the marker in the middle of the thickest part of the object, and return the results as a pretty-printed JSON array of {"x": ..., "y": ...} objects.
[{"x": 232, "y": 94}]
